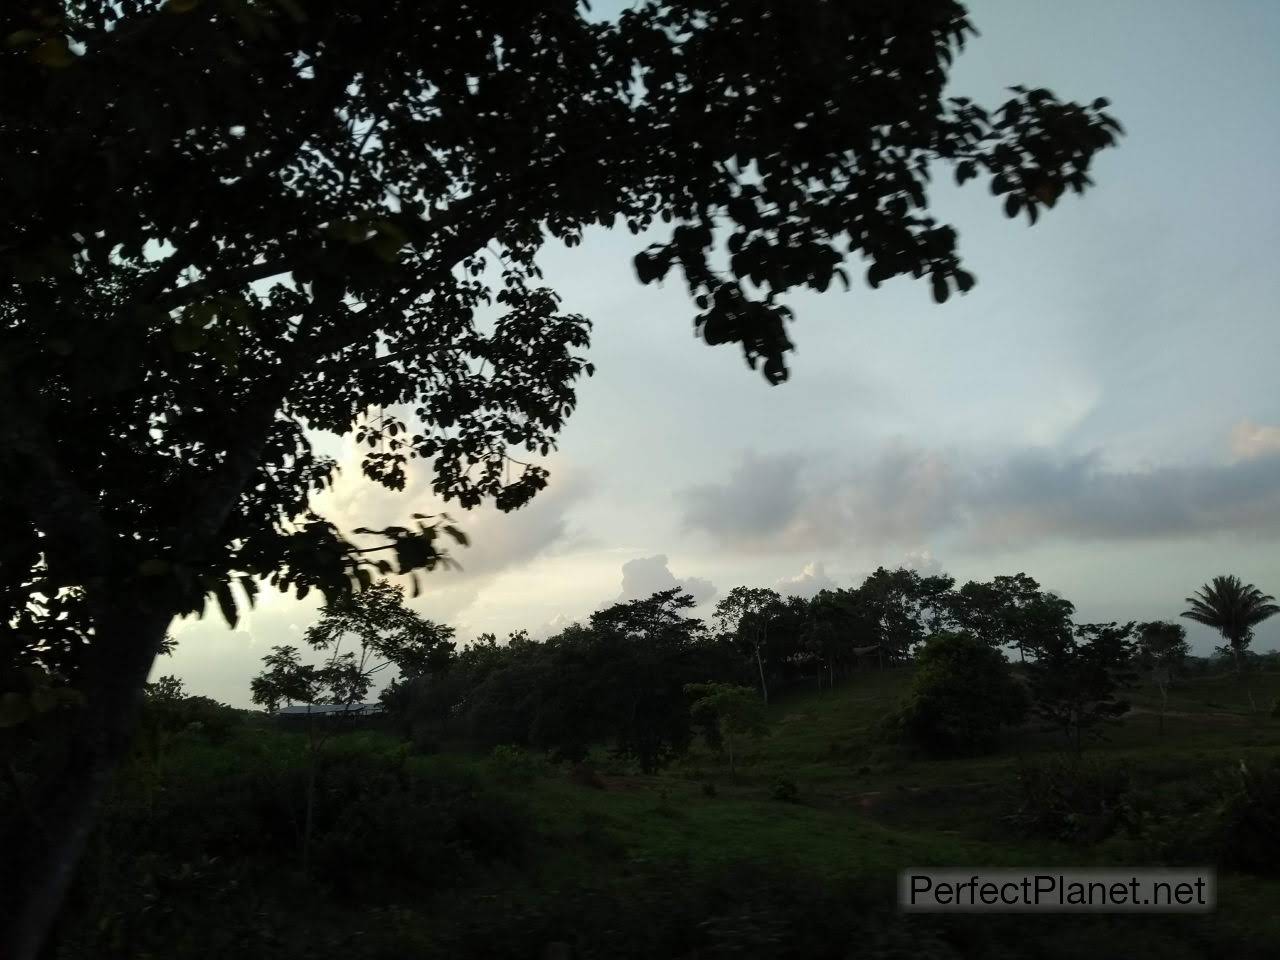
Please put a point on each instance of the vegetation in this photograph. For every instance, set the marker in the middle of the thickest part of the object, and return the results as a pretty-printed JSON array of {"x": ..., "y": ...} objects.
[
  {"x": 1233, "y": 608},
  {"x": 729, "y": 714},
  {"x": 1076, "y": 678},
  {"x": 962, "y": 694},
  {"x": 326, "y": 219},
  {"x": 1162, "y": 651},
  {"x": 494, "y": 853}
]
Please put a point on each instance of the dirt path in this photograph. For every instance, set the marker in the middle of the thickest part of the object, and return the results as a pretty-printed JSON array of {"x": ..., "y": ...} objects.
[{"x": 1228, "y": 717}]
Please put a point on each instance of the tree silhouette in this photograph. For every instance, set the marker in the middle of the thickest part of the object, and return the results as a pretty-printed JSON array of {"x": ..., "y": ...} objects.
[
  {"x": 1162, "y": 648},
  {"x": 746, "y": 614},
  {"x": 1233, "y": 608},
  {"x": 1076, "y": 677},
  {"x": 233, "y": 225},
  {"x": 735, "y": 712}
]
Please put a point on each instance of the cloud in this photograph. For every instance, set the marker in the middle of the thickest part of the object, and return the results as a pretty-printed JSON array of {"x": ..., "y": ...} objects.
[
  {"x": 499, "y": 542},
  {"x": 646, "y": 576},
  {"x": 809, "y": 582},
  {"x": 1250, "y": 440},
  {"x": 758, "y": 499},
  {"x": 904, "y": 497},
  {"x": 923, "y": 562}
]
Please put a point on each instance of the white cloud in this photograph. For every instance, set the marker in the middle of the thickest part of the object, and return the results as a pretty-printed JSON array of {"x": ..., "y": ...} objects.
[
  {"x": 922, "y": 562},
  {"x": 809, "y": 582},
  {"x": 1250, "y": 440},
  {"x": 645, "y": 576}
]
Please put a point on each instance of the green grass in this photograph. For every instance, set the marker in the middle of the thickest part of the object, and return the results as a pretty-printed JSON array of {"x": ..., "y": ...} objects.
[
  {"x": 868, "y": 811},
  {"x": 864, "y": 811}
]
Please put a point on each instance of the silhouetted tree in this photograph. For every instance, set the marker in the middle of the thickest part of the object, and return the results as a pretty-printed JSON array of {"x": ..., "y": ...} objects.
[
  {"x": 746, "y": 613},
  {"x": 1010, "y": 611},
  {"x": 1233, "y": 608},
  {"x": 962, "y": 693},
  {"x": 1162, "y": 648},
  {"x": 315, "y": 201},
  {"x": 1076, "y": 677},
  {"x": 902, "y": 607},
  {"x": 735, "y": 712},
  {"x": 384, "y": 633}
]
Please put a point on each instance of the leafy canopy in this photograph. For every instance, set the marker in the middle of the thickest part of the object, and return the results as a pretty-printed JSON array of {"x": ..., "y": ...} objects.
[
  {"x": 236, "y": 225},
  {"x": 1233, "y": 608}
]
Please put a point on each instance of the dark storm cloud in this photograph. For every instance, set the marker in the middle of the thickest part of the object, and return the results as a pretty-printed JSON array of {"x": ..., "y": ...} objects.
[{"x": 906, "y": 496}]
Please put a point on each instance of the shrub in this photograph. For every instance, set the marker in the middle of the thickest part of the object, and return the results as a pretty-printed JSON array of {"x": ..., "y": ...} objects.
[
  {"x": 514, "y": 765},
  {"x": 1073, "y": 800},
  {"x": 1249, "y": 820},
  {"x": 961, "y": 695},
  {"x": 785, "y": 790}
]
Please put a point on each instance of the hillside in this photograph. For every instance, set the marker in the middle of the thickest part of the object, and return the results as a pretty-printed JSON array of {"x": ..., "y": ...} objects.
[{"x": 465, "y": 853}]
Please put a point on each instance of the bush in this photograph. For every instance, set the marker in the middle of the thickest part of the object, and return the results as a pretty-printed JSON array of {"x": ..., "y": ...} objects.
[
  {"x": 514, "y": 765},
  {"x": 1249, "y": 820},
  {"x": 961, "y": 695},
  {"x": 785, "y": 790},
  {"x": 1073, "y": 800}
]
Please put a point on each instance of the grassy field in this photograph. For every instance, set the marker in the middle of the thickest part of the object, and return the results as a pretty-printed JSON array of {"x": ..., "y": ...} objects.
[
  {"x": 867, "y": 811},
  {"x": 862, "y": 810}
]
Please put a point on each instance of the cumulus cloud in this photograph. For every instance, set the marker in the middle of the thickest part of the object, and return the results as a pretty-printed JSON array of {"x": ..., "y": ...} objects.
[
  {"x": 1250, "y": 440},
  {"x": 923, "y": 562},
  {"x": 809, "y": 582},
  {"x": 498, "y": 541},
  {"x": 905, "y": 497},
  {"x": 645, "y": 576}
]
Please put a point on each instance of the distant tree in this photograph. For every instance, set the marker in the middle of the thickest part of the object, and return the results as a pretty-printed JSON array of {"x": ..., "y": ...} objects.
[
  {"x": 329, "y": 211},
  {"x": 649, "y": 649},
  {"x": 383, "y": 631},
  {"x": 902, "y": 607},
  {"x": 1233, "y": 608},
  {"x": 736, "y": 713},
  {"x": 1010, "y": 612},
  {"x": 827, "y": 633},
  {"x": 1162, "y": 648},
  {"x": 617, "y": 680},
  {"x": 286, "y": 680},
  {"x": 1076, "y": 678},
  {"x": 747, "y": 613},
  {"x": 962, "y": 693}
]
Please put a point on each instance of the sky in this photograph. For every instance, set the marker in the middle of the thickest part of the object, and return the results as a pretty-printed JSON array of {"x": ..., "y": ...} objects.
[{"x": 1100, "y": 412}]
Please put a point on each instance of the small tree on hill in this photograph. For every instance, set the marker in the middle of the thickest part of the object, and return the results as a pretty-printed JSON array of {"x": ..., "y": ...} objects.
[
  {"x": 1076, "y": 677},
  {"x": 1162, "y": 648},
  {"x": 961, "y": 695},
  {"x": 735, "y": 711},
  {"x": 385, "y": 633},
  {"x": 747, "y": 613}
]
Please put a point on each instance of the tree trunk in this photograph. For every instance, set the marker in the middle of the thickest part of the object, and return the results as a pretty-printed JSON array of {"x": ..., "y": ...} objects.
[
  {"x": 764, "y": 689},
  {"x": 126, "y": 639}
]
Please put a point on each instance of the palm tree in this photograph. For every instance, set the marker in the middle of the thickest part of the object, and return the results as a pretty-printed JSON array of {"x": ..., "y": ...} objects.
[{"x": 1233, "y": 608}]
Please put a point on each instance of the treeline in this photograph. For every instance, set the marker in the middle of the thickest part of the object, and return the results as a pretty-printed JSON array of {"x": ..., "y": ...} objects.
[{"x": 622, "y": 677}]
